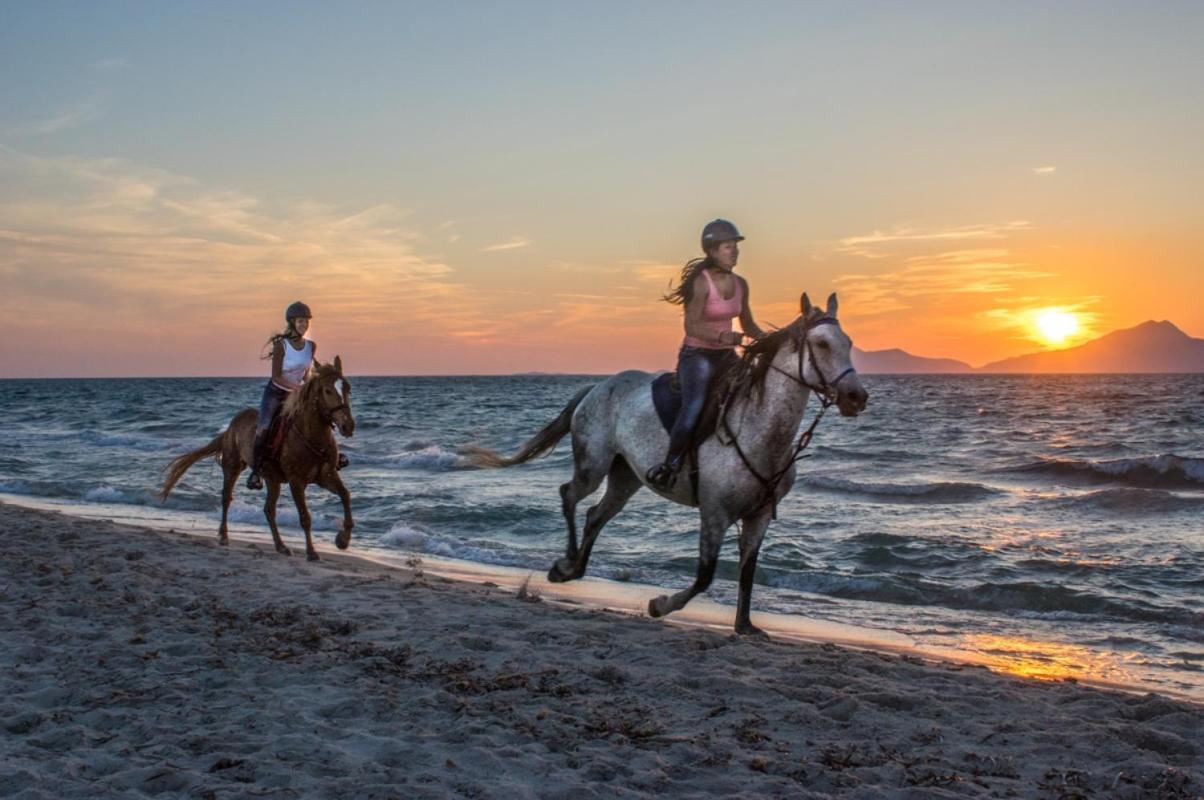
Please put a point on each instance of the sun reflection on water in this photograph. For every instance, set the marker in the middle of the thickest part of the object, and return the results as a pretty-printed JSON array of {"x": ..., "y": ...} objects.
[{"x": 1051, "y": 661}]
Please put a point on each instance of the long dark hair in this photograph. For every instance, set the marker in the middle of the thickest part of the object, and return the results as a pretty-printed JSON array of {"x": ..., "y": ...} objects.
[
  {"x": 269, "y": 346},
  {"x": 685, "y": 288}
]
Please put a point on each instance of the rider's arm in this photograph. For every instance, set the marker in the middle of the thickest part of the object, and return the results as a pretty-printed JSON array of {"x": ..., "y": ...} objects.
[{"x": 747, "y": 323}]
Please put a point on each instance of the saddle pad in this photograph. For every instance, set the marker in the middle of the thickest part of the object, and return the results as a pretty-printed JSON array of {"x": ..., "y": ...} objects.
[{"x": 666, "y": 397}]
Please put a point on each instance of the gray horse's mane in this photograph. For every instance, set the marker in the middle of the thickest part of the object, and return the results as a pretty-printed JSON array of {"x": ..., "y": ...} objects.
[{"x": 750, "y": 374}]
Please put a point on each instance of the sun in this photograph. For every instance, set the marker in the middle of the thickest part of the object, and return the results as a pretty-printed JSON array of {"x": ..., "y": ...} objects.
[{"x": 1055, "y": 325}]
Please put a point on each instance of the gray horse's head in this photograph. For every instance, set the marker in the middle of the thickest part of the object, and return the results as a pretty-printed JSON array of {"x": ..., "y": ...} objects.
[{"x": 831, "y": 363}]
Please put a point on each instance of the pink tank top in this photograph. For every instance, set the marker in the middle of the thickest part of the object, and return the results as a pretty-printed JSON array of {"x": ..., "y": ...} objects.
[{"x": 717, "y": 315}]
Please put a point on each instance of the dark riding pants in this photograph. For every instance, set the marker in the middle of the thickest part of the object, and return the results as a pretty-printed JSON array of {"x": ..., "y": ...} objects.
[
  {"x": 269, "y": 407},
  {"x": 696, "y": 367}
]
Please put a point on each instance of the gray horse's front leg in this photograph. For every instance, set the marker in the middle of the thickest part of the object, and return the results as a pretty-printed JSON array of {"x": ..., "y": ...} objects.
[
  {"x": 714, "y": 525},
  {"x": 750, "y": 546}
]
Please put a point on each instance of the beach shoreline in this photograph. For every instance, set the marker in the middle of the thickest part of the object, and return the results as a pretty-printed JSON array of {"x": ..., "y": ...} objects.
[{"x": 145, "y": 662}]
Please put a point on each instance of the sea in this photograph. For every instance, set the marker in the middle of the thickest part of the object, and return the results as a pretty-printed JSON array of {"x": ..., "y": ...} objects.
[{"x": 1050, "y": 525}]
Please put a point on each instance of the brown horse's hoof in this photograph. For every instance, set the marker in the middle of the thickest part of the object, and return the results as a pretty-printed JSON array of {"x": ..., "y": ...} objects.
[
  {"x": 343, "y": 540},
  {"x": 656, "y": 606},
  {"x": 312, "y": 556},
  {"x": 224, "y": 541},
  {"x": 283, "y": 550}
]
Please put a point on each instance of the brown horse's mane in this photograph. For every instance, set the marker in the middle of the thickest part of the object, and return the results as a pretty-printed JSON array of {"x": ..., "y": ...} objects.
[{"x": 298, "y": 400}]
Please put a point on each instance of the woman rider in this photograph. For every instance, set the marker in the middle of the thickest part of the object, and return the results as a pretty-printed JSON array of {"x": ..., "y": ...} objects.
[
  {"x": 292, "y": 354},
  {"x": 712, "y": 294}
]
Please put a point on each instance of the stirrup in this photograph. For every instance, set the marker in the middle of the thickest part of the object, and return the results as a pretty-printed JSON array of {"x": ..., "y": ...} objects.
[
  {"x": 663, "y": 475},
  {"x": 254, "y": 482}
]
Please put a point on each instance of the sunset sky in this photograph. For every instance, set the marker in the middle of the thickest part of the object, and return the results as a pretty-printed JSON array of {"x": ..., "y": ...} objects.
[{"x": 509, "y": 187}]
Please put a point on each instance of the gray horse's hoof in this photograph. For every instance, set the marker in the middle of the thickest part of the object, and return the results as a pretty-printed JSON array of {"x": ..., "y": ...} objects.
[
  {"x": 748, "y": 629},
  {"x": 656, "y": 606},
  {"x": 561, "y": 571}
]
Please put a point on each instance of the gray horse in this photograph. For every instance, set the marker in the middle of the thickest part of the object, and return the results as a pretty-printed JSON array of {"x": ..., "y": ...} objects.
[{"x": 742, "y": 471}]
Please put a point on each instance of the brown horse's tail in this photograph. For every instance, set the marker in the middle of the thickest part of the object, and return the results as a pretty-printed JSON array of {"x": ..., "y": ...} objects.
[
  {"x": 178, "y": 466},
  {"x": 538, "y": 445}
]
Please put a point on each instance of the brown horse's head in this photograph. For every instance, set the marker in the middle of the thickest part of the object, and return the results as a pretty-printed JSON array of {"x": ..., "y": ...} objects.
[{"x": 329, "y": 394}]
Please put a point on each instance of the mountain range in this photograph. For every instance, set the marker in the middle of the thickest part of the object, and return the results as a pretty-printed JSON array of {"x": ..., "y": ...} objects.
[{"x": 1148, "y": 347}]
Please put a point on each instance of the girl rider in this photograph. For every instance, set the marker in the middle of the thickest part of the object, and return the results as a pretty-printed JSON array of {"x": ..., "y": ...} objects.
[
  {"x": 712, "y": 295},
  {"x": 292, "y": 354}
]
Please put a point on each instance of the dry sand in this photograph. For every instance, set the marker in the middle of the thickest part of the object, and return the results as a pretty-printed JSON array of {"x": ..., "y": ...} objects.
[{"x": 141, "y": 663}]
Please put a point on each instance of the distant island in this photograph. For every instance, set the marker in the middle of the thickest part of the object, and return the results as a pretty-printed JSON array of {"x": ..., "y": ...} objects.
[{"x": 1148, "y": 347}]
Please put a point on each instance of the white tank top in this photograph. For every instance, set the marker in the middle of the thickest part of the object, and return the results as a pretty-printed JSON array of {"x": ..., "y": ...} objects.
[{"x": 296, "y": 362}]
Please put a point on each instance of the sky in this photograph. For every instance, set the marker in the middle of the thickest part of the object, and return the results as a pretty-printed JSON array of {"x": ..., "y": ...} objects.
[{"x": 481, "y": 188}]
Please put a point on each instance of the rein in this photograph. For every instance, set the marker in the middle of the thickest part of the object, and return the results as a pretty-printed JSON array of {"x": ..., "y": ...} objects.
[{"x": 824, "y": 392}]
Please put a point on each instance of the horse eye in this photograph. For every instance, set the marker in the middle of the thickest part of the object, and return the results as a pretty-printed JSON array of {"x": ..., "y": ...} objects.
[{"x": 823, "y": 345}]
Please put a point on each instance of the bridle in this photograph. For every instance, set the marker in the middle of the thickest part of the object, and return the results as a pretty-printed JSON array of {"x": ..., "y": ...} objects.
[
  {"x": 326, "y": 416},
  {"x": 825, "y": 391},
  {"x": 826, "y": 387}
]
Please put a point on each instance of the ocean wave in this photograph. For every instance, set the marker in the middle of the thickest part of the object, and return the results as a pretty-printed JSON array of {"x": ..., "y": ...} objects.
[
  {"x": 130, "y": 442},
  {"x": 1166, "y": 471},
  {"x": 1131, "y": 500},
  {"x": 936, "y": 492},
  {"x": 1021, "y": 597},
  {"x": 286, "y": 516},
  {"x": 416, "y": 539},
  {"x": 417, "y": 455}
]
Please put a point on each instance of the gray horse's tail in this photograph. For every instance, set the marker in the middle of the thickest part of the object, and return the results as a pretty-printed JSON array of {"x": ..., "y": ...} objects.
[
  {"x": 178, "y": 466},
  {"x": 538, "y": 445}
]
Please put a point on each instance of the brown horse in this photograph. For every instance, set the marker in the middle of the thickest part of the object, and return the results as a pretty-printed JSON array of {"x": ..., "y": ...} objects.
[{"x": 307, "y": 454}]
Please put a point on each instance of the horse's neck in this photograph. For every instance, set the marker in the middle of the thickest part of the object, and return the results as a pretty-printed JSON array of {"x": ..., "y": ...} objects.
[
  {"x": 308, "y": 421},
  {"x": 767, "y": 421}
]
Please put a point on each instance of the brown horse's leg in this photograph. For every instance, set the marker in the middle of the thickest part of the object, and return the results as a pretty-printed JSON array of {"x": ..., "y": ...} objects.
[
  {"x": 269, "y": 511},
  {"x": 621, "y": 484},
  {"x": 750, "y": 546},
  {"x": 298, "y": 490},
  {"x": 229, "y": 478},
  {"x": 714, "y": 524},
  {"x": 332, "y": 482}
]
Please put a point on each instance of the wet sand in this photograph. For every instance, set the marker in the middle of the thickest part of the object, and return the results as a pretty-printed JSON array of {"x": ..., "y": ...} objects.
[{"x": 140, "y": 662}]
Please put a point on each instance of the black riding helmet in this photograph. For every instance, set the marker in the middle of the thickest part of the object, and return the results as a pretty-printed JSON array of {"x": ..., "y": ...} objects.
[
  {"x": 297, "y": 309},
  {"x": 719, "y": 231}
]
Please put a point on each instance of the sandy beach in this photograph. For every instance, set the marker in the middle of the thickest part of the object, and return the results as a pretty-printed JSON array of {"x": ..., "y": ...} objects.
[{"x": 143, "y": 663}]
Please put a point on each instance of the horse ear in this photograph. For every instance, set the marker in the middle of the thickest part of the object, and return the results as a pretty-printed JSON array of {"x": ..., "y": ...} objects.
[
  {"x": 805, "y": 305},
  {"x": 338, "y": 362},
  {"x": 832, "y": 304}
]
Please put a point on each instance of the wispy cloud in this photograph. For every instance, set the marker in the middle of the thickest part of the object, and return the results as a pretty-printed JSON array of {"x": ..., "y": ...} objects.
[
  {"x": 516, "y": 243},
  {"x": 63, "y": 119},
  {"x": 1044, "y": 170},
  {"x": 879, "y": 243},
  {"x": 922, "y": 280},
  {"x": 110, "y": 64},
  {"x": 84, "y": 235}
]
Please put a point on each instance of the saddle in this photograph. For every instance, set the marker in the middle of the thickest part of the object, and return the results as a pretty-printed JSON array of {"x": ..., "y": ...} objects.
[{"x": 666, "y": 398}]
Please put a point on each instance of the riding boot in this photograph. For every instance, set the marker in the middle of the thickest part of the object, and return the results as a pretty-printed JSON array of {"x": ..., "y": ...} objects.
[
  {"x": 254, "y": 482},
  {"x": 663, "y": 475}
]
